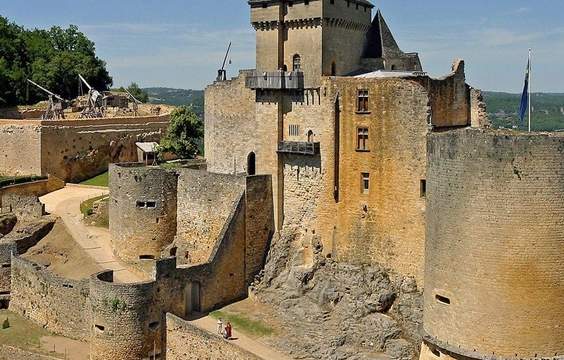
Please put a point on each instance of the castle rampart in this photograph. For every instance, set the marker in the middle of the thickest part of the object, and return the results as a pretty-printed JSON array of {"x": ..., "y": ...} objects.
[
  {"x": 53, "y": 302},
  {"x": 493, "y": 270},
  {"x": 74, "y": 150}
]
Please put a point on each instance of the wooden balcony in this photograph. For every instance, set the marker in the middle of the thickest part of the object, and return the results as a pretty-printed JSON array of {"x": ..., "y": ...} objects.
[
  {"x": 298, "y": 147},
  {"x": 278, "y": 80}
]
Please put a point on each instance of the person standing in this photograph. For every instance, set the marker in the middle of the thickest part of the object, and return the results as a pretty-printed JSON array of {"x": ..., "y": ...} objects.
[
  {"x": 228, "y": 331},
  {"x": 220, "y": 326}
]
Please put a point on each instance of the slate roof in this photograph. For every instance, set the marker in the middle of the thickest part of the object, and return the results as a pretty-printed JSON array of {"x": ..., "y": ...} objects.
[{"x": 379, "y": 39}]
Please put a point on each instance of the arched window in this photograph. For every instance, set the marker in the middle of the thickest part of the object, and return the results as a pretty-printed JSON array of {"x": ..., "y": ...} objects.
[
  {"x": 251, "y": 164},
  {"x": 296, "y": 63},
  {"x": 333, "y": 69},
  {"x": 310, "y": 136},
  {"x": 393, "y": 67}
]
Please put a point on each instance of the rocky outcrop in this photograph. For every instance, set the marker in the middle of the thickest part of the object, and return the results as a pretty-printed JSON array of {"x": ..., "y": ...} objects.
[{"x": 340, "y": 311}]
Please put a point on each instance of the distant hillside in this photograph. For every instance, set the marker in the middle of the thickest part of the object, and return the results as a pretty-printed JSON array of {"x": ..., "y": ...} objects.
[
  {"x": 548, "y": 110},
  {"x": 177, "y": 97}
]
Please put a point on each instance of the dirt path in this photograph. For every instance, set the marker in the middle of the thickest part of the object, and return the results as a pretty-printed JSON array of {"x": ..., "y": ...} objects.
[
  {"x": 65, "y": 203},
  {"x": 253, "y": 346}
]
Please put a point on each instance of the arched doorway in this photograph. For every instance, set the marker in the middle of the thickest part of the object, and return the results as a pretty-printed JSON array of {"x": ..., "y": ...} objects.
[
  {"x": 333, "y": 69},
  {"x": 310, "y": 136},
  {"x": 251, "y": 164}
]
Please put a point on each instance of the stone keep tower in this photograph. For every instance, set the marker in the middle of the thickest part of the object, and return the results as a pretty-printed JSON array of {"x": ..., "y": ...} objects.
[
  {"x": 324, "y": 38},
  {"x": 494, "y": 283}
]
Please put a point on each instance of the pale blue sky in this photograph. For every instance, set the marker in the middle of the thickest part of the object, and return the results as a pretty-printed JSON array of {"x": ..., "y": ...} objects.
[{"x": 180, "y": 43}]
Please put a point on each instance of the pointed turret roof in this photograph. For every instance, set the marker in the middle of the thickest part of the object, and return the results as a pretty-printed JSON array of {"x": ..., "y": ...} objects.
[{"x": 379, "y": 39}]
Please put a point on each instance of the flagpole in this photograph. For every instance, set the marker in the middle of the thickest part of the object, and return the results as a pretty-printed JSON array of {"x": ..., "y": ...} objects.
[{"x": 530, "y": 76}]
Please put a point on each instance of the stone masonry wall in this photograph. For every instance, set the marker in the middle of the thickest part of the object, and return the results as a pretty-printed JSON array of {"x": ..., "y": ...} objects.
[
  {"x": 229, "y": 109},
  {"x": 187, "y": 342},
  {"x": 493, "y": 271},
  {"x": 204, "y": 204},
  {"x": 126, "y": 321},
  {"x": 259, "y": 223},
  {"x": 142, "y": 210},
  {"x": 36, "y": 188},
  {"x": 449, "y": 97},
  {"x": 59, "y": 305},
  {"x": 386, "y": 224},
  {"x": 20, "y": 152},
  {"x": 75, "y": 150}
]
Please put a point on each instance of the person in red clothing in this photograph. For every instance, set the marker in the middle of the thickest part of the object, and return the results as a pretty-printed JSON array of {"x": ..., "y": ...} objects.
[{"x": 228, "y": 330}]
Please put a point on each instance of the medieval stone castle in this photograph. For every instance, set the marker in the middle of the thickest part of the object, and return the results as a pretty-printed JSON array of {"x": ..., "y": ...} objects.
[{"x": 339, "y": 140}]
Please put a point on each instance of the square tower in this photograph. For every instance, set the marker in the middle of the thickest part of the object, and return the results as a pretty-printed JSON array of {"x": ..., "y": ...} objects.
[{"x": 315, "y": 37}]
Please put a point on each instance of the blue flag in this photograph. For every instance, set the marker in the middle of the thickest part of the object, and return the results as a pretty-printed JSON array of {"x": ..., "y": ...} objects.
[{"x": 525, "y": 97}]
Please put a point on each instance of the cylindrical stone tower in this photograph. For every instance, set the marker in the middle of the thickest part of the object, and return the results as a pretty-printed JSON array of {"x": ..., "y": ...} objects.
[
  {"x": 494, "y": 271},
  {"x": 142, "y": 210},
  {"x": 127, "y": 324}
]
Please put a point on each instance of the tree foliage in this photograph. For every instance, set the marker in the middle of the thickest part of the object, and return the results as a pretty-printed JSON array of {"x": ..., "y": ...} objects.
[
  {"x": 184, "y": 134},
  {"x": 52, "y": 58},
  {"x": 136, "y": 91}
]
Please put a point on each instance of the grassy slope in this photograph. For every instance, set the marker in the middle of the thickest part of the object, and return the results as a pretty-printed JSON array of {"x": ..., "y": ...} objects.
[
  {"x": 22, "y": 333},
  {"x": 244, "y": 324},
  {"x": 548, "y": 110},
  {"x": 100, "y": 180}
]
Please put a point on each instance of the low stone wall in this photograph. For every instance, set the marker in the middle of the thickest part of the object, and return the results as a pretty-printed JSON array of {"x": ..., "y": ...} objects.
[
  {"x": 187, "y": 342},
  {"x": 36, "y": 188},
  {"x": 74, "y": 150},
  {"x": 55, "y": 303}
]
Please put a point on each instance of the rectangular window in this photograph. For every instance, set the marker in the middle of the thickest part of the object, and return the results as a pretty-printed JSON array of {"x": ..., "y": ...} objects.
[
  {"x": 365, "y": 183},
  {"x": 151, "y": 204},
  {"x": 423, "y": 188},
  {"x": 294, "y": 130},
  {"x": 141, "y": 204},
  {"x": 362, "y": 139},
  {"x": 362, "y": 102}
]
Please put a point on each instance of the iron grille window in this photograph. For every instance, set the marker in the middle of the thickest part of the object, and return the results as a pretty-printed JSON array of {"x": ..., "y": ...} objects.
[
  {"x": 362, "y": 103},
  {"x": 294, "y": 130}
]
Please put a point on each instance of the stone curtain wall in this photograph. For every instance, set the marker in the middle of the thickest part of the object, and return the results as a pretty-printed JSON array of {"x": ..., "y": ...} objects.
[
  {"x": 205, "y": 202},
  {"x": 75, "y": 150},
  {"x": 494, "y": 244},
  {"x": 24, "y": 206},
  {"x": 138, "y": 228},
  {"x": 6, "y": 250},
  {"x": 259, "y": 223},
  {"x": 36, "y": 188},
  {"x": 59, "y": 305},
  {"x": 20, "y": 150},
  {"x": 187, "y": 342},
  {"x": 230, "y": 126}
]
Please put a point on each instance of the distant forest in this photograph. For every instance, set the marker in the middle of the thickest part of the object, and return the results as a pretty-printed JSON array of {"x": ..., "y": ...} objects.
[
  {"x": 548, "y": 110},
  {"x": 52, "y": 58},
  {"x": 177, "y": 97}
]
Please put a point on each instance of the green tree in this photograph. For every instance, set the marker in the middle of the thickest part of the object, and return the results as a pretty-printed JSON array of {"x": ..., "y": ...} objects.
[
  {"x": 139, "y": 93},
  {"x": 52, "y": 58},
  {"x": 184, "y": 134}
]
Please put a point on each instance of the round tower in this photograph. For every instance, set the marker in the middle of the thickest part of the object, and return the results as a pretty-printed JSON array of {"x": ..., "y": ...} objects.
[
  {"x": 494, "y": 271},
  {"x": 142, "y": 210}
]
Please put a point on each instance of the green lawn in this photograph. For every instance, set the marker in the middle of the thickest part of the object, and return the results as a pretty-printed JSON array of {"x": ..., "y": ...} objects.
[
  {"x": 22, "y": 333},
  {"x": 244, "y": 324},
  {"x": 100, "y": 180}
]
